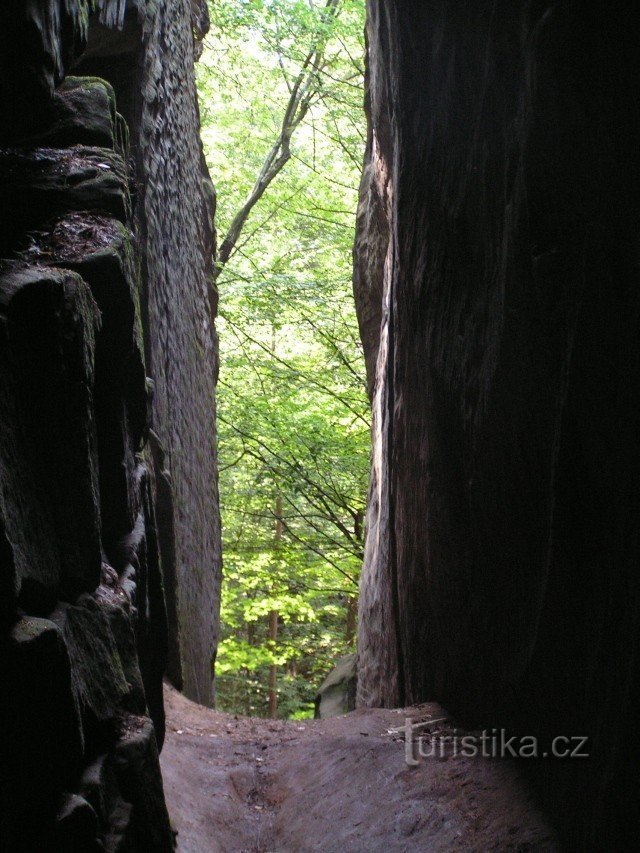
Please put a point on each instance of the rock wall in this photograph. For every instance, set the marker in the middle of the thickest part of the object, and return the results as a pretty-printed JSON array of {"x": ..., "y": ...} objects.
[
  {"x": 497, "y": 240},
  {"x": 149, "y": 59},
  {"x": 176, "y": 214},
  {"x": 106, "y": 503}
]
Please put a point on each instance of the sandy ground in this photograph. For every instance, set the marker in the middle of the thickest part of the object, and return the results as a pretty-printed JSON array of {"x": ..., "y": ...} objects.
[{"x": 235, "y": 784}]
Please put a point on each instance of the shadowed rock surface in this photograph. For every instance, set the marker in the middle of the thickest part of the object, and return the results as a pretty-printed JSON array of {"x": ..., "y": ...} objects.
[
  {"x": 105, "y": 237},
  {"x": 149, "y": 63},
  {"x": 499, "y": 221}
]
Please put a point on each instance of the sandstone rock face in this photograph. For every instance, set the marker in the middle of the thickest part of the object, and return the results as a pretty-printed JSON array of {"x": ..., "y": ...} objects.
[
  {"x": 499, "y": 223},
  {"x": 174, "y": 207},
  {"x": 176, "y": 212},
  {"x": 93, "y": 303}
]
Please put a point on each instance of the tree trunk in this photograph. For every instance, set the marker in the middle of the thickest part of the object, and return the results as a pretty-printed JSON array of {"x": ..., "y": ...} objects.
[
  {"x": 273, "y": 623},
  {"x": 352, "y": 613},
  {"x": 273, "y": 673}
]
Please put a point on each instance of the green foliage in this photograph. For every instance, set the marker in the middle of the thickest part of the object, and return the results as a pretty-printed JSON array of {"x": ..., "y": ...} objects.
[{"x": 293, "y": 413}]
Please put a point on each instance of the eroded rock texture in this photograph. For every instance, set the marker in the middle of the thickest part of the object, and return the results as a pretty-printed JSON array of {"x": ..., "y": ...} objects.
[
  {"x": 148, "y": 58},
  {"x": 105, "y": 505},
  {"x": 176, "y": 213},
  {"x": 498, "y": 240}
]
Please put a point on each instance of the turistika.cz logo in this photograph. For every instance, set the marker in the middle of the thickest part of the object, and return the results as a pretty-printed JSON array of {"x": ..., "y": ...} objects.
[{"x": 495, "y": 743}]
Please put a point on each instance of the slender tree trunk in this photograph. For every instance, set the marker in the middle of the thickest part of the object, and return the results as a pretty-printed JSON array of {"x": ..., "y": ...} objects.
[
  {"x": 352, "y": 602},
  {"x": 273, "y": 672},
  {"x": 251, "y": 640},
  {"x": 352, "y": 615},
  {"x": 273, "y": 622}
]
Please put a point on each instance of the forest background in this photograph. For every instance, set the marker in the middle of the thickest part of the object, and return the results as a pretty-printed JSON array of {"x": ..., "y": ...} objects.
[{"x": 281, "y": 97}]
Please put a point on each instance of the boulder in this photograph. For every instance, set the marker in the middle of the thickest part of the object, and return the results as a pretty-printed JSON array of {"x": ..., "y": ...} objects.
[
  {"x": 50, "y": 319},
  {"x": 100, "y": 249},
  {"x": 40, "y": 741},
  {"x": 29, "y": 555},
  {"x": 138, "y": 771},
  {"x": 41, "y": 184},
  {"x": 99, "y": 787},
  {"x": 76, "y": 827},
  {"x": 122, "y": 625},
  {"x": 337, "y": 693},
  {"x": 83, "y": 112},
  {"x": 98, "y": 679}
]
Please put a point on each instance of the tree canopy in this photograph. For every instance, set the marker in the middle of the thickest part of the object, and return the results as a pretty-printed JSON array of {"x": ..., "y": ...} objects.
[{"x": 281, "y": 90}]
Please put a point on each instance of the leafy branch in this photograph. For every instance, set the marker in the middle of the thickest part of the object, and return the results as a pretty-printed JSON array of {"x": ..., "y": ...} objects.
[{"x": 301, "y": 95}]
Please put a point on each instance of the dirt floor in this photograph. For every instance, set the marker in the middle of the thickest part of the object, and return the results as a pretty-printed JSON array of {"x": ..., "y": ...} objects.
[{"x": 237, "y": 784}]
